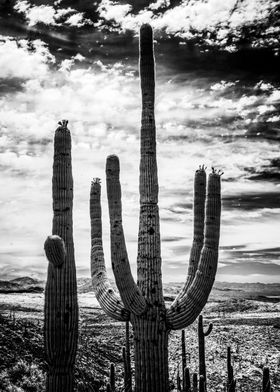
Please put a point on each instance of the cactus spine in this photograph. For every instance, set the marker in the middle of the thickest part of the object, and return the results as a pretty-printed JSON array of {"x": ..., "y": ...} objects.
[
  {"x": 143, "y": 302},
  {"x": 201, "y": 345},
  {"x": 61, "y": 307},
  {"x": 231, "y": 383}
]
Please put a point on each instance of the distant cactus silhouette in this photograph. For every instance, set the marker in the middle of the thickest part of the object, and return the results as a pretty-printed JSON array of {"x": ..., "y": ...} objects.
[
  {"x": 195, "y": 383},
  {"x": 127, "y": 361},
  {"x": 184, "y": 358},
  {"x": 112, "y": 377},
  {"x": 185, "y": 371},
  {"x": 143, "y": 303},
  {"x": 202, "y": 384},
  {"x": 231, "y": 383},
  {"x": 187, "y": 380},
  {"x": 178, "y": 381},
  {"x": 61, "y": 307},
  {"x": 266, "y": 384},
  {"x": 201, "y": 346}
]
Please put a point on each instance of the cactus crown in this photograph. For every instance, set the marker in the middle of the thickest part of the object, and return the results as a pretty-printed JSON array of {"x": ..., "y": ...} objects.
[
  {"x": 63, "y": 123},
  {"x": 217, "y": 172},
  {"x": 96, "y": 180}
]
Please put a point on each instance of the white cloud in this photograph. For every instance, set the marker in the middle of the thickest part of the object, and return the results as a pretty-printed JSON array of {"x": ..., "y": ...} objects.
[
  {"x": 274, "y": 97},
  {"x": 59, "y": 13},
  {"x": 190, "y": 17},
  {"x": 110, "y": 10},
  {"x": 264, "y": 86},
  {"x": 79, "y": 57},
  {"x": 102, "y": 104},
  {"x": 33, "y": 59},
  {"x": 222, "y": 85},
  {"x": 78, "y": 20},
  {"x": 273, "y": 119},
  {"x": 49, "y": 15},
  {"x": 37, "y": 14},
  {"x": 159, "y": 4}
]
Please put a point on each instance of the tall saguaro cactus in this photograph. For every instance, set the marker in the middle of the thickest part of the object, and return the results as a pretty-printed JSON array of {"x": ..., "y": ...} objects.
[
  {"x": 143, "y": 302},
  {"x": 61, "y": 307}
]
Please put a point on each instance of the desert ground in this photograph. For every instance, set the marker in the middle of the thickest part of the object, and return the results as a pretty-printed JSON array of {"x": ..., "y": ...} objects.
[{"x": 245, "y": 317}]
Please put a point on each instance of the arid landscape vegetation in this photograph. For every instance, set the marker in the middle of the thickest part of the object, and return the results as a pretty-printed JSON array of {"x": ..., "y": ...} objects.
[{"x": 245, "y": 317}]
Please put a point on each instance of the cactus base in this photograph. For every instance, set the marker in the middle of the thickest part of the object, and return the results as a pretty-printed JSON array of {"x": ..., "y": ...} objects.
[
  {"x": 151, "y": 356},
  {"x": 60, "y": 382}
]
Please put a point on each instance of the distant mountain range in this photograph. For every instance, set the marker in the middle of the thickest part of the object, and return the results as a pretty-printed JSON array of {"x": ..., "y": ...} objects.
[
  {"x": 29, "y": 285},
  {"x": 21, "y": 285}
]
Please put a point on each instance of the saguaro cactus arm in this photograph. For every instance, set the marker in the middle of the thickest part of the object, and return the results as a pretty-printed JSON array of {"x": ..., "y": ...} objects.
[
  {"x": 110, "y": 302},
  {"x": 198, "y": 226},
  {"x": 186, "y": 309},
  {"x": 129, "y": 291},
  {"x": 55, "y": 250},
  {"x": 209, "y": 330}
]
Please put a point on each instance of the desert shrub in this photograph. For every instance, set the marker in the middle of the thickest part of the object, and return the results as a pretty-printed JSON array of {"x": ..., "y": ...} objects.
[
  {"x": 22, "y": 377},
  {"x": 236, "y": 305}
]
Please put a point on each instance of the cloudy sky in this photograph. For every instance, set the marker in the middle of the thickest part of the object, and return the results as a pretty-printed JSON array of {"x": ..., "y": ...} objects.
[{"x": 217, "y": 103}]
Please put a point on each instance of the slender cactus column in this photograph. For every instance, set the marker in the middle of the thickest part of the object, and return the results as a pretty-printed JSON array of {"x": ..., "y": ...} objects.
[
  {"x": 150, "y": 330},
  {"x": 231, "y": 382},
  {"x": 61, "y": 307},
  {"x": 201, "y": 346}
]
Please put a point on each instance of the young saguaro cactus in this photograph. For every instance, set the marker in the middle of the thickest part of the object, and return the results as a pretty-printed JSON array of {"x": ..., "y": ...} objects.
[
  {"x": 266, "y": 384},
  {"x": 195, "y": 383},
  {"x": 127, "y": 361},
  {"x": 61, "y": 307},
  {"x": 201, "y": 345},
  {"x": 231, "y": 382},
  {"x": 143, "y": 302}
]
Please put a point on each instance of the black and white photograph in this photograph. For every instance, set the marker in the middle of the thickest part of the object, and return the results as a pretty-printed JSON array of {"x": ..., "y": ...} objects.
[{"x": 140, "y": 196}]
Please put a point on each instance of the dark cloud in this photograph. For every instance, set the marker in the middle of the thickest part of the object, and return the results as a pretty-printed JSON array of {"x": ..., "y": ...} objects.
[
  {"x": 264, "y": 129},
  {"x": 249, "y": 268},
  {"x": 108, "y": 42},
  {"x": 10, "y": 86},
  {"x": 256, "y": 254},
  {"x": 268, "y": 172},
  {"x": 232, "y": 247},
  {"x": 252, "y": 201},
  {"x": 246, "y": 202},
  {"x": 171, "y": 239}
]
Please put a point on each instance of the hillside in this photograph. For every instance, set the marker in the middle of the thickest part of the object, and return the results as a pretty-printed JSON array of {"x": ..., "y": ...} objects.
[{"x": 224, "y": 289}]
